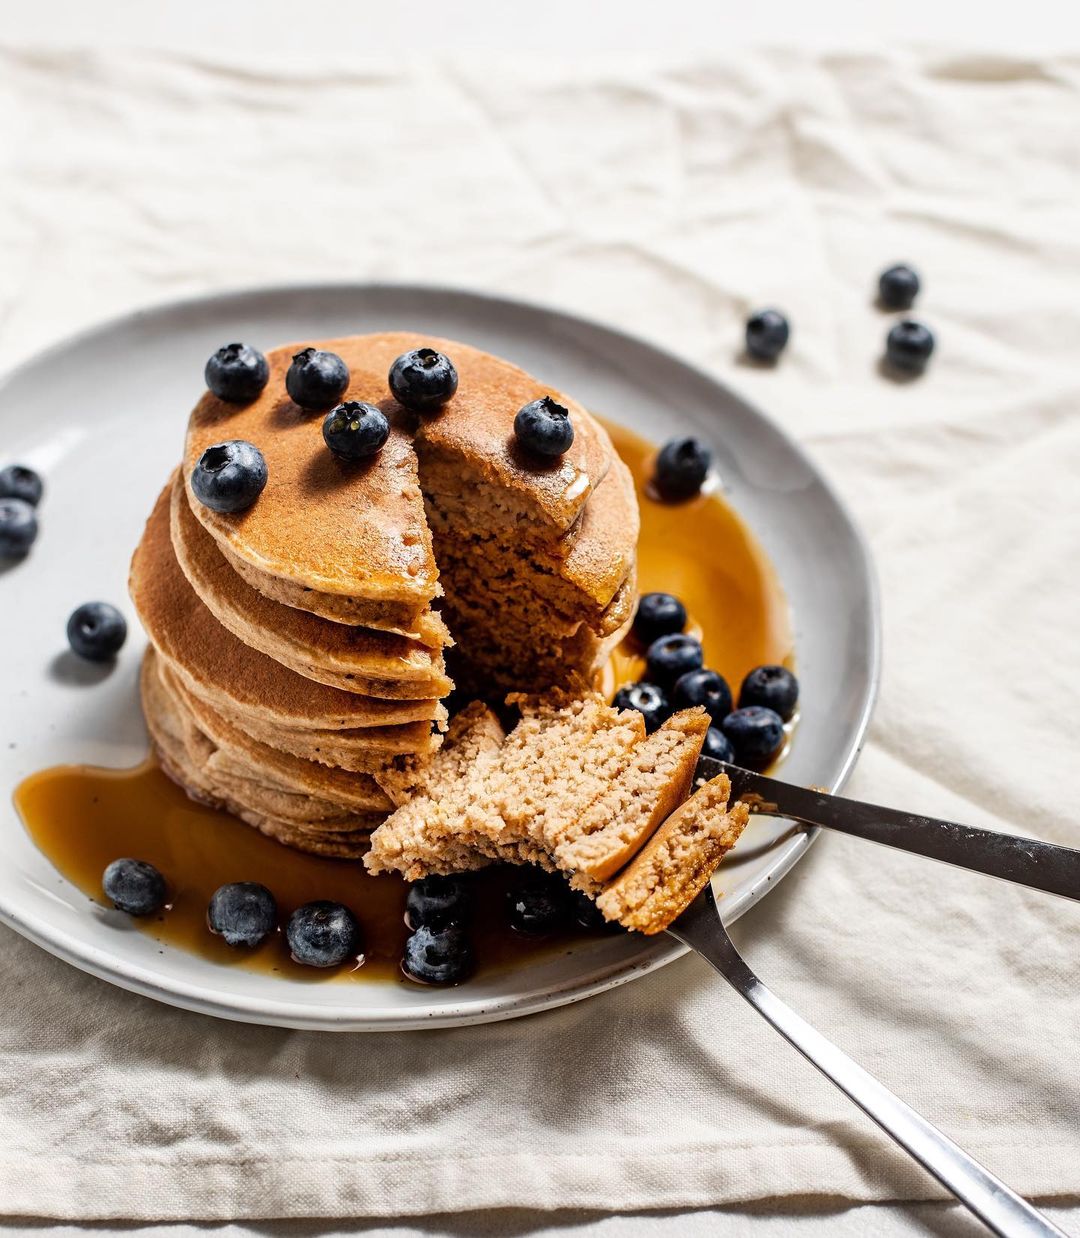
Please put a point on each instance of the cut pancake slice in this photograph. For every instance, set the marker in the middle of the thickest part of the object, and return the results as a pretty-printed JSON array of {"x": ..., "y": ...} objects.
[
  {"x": 574, "y": 786},
  {"x": 358, "y": 660},
  {"x": 241, "y": 681},
  {"x": 356, "y": 791},
  {"x": 675, "y": 864},
  {"x": 653, "y": 784},
  {"x": 404, "y": 843},
  {"x": 556, "y": 762}
]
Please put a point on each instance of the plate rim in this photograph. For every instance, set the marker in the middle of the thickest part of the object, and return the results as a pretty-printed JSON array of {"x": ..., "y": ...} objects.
[{"x": 306, "y": 1015}]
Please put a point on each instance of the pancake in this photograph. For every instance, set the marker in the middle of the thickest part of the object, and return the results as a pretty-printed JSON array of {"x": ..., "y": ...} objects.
[
  {"x": 428, "y": 628},
  {"x": 358, "y": 530},
  {"x": 181, "y": 752},
  {"x": 355, "y": 659},
  {"x": 234, "y": 677},
  {"x": 242, "y": 755}
]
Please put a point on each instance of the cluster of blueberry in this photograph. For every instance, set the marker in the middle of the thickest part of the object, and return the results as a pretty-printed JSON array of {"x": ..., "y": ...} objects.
[
  {"x": 20, "y": 493},
  {"x": 230, "y": 476},
  {"x": 908, "y": 344},
  {"x": 676, "y": 678},
  {"x": 95, "y": 630},
  {"x": 243, "y": 913},
  {"x": 322, "y": 933}
]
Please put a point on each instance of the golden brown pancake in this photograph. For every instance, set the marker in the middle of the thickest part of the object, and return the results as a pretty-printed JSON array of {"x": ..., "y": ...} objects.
[
  {"x": 243, "y": 755},
  {"x": 229, "y": 674},
  {"x": 186, "y": 756},
  {"x": 358, "y": 529},
  {"x": 355, "y": 659}
]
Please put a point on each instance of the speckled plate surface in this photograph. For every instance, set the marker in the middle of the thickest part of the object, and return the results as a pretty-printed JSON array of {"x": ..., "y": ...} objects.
[{"x": 116, "y": 399}]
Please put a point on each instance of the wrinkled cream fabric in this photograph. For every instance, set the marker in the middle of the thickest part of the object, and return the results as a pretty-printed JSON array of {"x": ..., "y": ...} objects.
[{"x": 669, "y": 200}]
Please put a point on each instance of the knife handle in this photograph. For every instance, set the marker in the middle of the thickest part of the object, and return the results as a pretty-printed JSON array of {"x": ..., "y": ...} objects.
[{"x": 1025, "y": 861}]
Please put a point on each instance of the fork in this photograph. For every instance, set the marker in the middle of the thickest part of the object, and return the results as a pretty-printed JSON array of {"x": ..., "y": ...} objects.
[
  {"x": 999, "y": 1208},
  {"x": 1043, "y": 866}
]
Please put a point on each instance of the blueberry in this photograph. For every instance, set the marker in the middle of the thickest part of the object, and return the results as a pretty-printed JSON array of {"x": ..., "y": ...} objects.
[
  {"x": 898, "y": 287},
  {"x": 775, "y": 687},
  {"x": 423, "y": 380},
  {"x": 435, "y": 902},
  {"x": 767, "y": 334},
  {"x": 681, "y": 468},
  {"x": 703, "y": 688},
  {"x": 658, "y": 614},
  {"x": 322, "y": 934},
  {"x": 648, "y": 700},
  {"x": 717, "y": 745},
  {"x": 243, "y": 912},
  {"x": 355, "y": 431},
  {"x": 670, "y": 657},
  {"x": 908, "y": 346},
  {"x": 538, "y": 904},
  {"x": 18, "y": 528},
  {"x": 237, "y": 373},
  {"x": 229, "y": 476},
  {"x": 19, "y": 482},
  {"x": 756, "y": 734},
  {"x": 96, "y": 631},
  {"x": 544, "y": 427},
  {"x": 316, "y": 379},
  {"x": 438, "y": 956},
  {"x": 134, "y": 886}
]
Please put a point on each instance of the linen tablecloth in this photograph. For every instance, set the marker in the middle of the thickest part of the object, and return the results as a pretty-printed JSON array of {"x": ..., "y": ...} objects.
[{"x": 669, "y": 199}]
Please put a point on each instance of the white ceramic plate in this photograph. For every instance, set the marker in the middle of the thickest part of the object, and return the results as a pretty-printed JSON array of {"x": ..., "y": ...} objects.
[{"x": 102, "y": 415}]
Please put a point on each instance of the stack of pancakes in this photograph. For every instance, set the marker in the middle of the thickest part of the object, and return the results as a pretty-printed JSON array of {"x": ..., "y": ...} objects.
[{"x": 298, "y": 661}]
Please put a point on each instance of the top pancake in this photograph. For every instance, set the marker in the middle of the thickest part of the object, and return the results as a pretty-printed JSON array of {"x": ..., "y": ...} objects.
[{"x": 358, "y": 529}]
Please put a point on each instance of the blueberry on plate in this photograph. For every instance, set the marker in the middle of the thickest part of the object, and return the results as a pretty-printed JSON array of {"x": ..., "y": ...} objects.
[
  {"x": 243, "y": 912},
  {"x": 316, "y": 379},
  {"x": 96, "y": 631},
  {"x": 18, "y": 528},
  {"x": 230, "y": 476},
  {"x": 322, "y": 934},
  {"x": 706, "y": 688},
  {"x": 435, "y": 902},
  {"x": 767, "y": 334},
  {"x": 538, "y": 904},
  {"x": 423, "y": 380},
  {"x": 718, "y": 746},
  {"x": 355, "y": 430},
  {"x": 681, "y": 468},
  {"x": 438, "y": 956},
  {"x": 670, "y": 657},
  {"x": 898, "y": 287},
  {"x": 648, "y": 700},
  {"x": 19, "y": 482},
  {"x": 658, "y": 614},
  {"x": 908, "y": 346},
  {"x": 775, "y": 687},
  {"x": 237, "y": 373},
  {"x": 544, "y": 427},
  {"x": 134, "y": 886},
  {"x": 756, "y": 734}
]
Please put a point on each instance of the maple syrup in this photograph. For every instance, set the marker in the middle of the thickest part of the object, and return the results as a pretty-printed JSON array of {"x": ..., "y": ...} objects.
[{"x": 82, "y": 817}]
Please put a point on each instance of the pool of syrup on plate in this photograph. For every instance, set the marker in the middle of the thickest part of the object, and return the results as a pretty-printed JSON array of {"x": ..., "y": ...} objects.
[{"x": 83, "y": 817}]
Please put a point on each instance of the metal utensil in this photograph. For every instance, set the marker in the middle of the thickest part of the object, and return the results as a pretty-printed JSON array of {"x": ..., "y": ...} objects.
[
  {"x": 999, "y": 1208},
  {"x": 1026, "y": 861}
]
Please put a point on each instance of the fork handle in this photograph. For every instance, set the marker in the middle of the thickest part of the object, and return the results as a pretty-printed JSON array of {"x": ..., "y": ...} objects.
[
  {"x": 1026, "y": 861},
  {"x": 999, "y": 1208}
]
